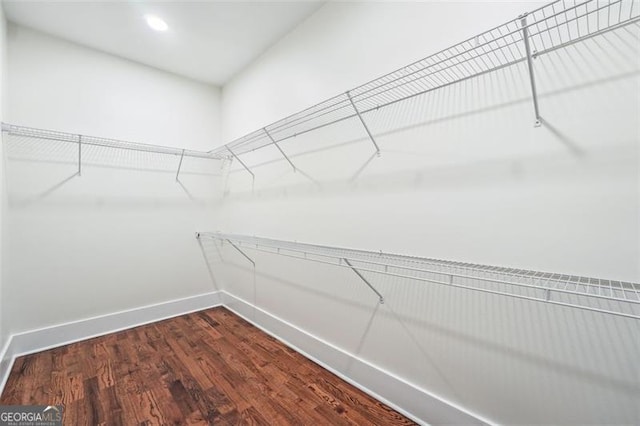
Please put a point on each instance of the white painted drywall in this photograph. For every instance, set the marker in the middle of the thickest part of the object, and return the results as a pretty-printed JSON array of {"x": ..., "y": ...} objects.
[
  {"x": 468, "y": 178},
  {"x": 121, "y": 235},
  {"x": 346, "y": 44},
  {"x": 62, "y": 86},
  {"x": 3, "y": 74},
  {"x": 507, "y": 221}
]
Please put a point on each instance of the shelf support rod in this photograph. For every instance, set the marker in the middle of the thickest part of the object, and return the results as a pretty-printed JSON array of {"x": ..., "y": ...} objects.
[
  {"x": 179, "y": 165},
  {"x": 364, "y": 124},
  {"x": 363, "y": 279},
  {"x": 240, "y": 161},
  {"x": 241, "y": 252},
  {"x": 273, "y": 141},
  {"x": 79, "y": 155},
  {"x": 532, "y": 79}
]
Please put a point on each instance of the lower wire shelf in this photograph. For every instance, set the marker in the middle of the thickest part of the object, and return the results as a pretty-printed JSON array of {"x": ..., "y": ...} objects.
[{"x": 613, "y": 297}]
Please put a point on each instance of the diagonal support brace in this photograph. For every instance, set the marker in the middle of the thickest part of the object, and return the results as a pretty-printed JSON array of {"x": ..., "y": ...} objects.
[
  {"x": 273, "y": 141},
  {"x": 79, "y": 155},
  {"x": 242, "y": 253},
  {"x": 364, "y": 279},
  {"x": 532, "y": 78},
  {"x": 355, "y": 108},
  {"x": 180, "y": 165},
  {"x": 240, "y": 161}
]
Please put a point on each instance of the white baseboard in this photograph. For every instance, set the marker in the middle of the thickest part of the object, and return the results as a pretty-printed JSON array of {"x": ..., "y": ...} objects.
[
  {"x": 6, "y": 362},
  {"x": 408, "y": 399},
  {"x": 62, "y": 334}
]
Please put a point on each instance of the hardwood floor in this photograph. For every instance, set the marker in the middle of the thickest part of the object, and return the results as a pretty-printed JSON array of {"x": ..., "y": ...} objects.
[{"x": 209, "y": 367}]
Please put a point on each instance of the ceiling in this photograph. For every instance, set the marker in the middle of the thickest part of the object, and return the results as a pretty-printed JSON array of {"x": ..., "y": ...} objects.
[{"x": 208, "y": 41}]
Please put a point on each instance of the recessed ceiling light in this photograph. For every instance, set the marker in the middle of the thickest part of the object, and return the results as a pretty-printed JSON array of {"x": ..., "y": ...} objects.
[{"x": 156, "y": 23}]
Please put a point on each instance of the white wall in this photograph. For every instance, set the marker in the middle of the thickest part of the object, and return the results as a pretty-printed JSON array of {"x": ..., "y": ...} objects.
[
  {"x": 3, "y": 74},
  {"x": 62, "y": 86},
  {"x": 474, "y": 182},
  {"x": 337, "y": 48},
  {"x": 344, "y": 45},
  {"x": 121, "y": 235},
  {"x": 463, "y": 176}
]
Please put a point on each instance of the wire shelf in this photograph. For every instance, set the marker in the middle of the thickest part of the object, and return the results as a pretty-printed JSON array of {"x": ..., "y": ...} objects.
[
  {"x": 606, "y": 296},
  {"x": 548, "y": 28},
  {"x": 41, "y": 134}
]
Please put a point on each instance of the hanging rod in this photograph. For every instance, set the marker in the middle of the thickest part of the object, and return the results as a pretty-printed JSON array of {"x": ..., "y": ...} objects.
[
  {"x": 83, "y": 140},
  {"x": 546, "y": 29},
  {"x": 605, "y": 296}
]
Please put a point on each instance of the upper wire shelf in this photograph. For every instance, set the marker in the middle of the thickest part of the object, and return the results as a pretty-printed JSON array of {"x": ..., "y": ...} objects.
[
  {"x": 614, "y": 297},
  {"x": 30, "y": 132},
  {"x": 548, "y": 28}
]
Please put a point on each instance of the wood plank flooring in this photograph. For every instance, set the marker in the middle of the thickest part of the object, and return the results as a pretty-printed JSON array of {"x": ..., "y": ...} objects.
[{"x": 208, "y": 367}]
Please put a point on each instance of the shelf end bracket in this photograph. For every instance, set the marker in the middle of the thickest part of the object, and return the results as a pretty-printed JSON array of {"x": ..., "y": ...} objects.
[
  {"x": 532, "y": 79},
  {"x": 364, "y": 124},
  {"x": 364, "y": 279}
]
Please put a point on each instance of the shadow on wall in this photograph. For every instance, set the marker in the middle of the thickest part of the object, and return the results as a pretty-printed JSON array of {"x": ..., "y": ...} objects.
[
  {"x": 476, "y": 132},
  {"x": 211, "y": 255},
  {"x": 461, "y": 345},
  {"x": 104, "y": 175},
  {"x": 508, "y": 359}
]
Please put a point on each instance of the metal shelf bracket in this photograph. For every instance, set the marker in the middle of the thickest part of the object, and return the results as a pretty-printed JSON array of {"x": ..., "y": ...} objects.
[
  {"x": 364, "y": 124},
  {"x": 31, "y": 133},
  {"x": 546, "y": 29},
  {"x": 364, "y": 279},
  {"x": 242, "y": 252},
  {"x": 530, "y": 57},
  {"x": 79, "y": 155},
  {"x": 278, "y": 146},
  {"x": 596, "y": 295},
  {"x": 241, "y": 162},
  {"x": 179, "y": 165}
]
